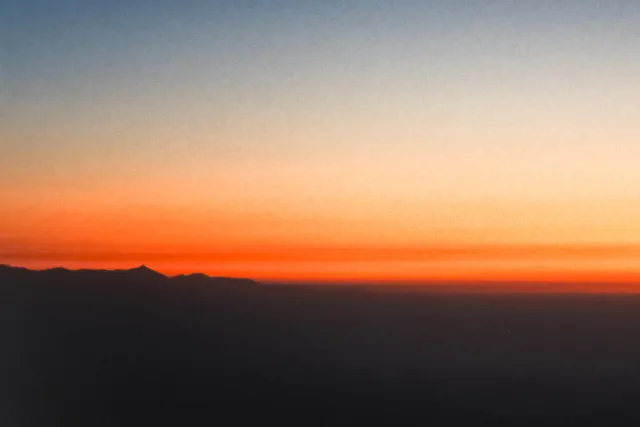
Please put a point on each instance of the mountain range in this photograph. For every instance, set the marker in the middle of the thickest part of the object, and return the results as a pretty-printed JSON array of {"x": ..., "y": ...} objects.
[{"x": 133, "y": 275}]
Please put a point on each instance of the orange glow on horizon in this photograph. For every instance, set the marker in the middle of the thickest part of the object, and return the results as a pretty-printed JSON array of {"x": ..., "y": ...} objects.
[
  {"x": 481, "y": 243},
  {"x": 589, "y": 268},
  {"x": 319, "y": 249}
]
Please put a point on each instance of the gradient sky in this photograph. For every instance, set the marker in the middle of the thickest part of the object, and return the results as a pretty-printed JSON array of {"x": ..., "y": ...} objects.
[{"x": 323, "y": 140}]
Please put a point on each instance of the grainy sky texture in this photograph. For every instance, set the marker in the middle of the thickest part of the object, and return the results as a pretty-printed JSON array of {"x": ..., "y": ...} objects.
[{"x": 323, "y": 140}]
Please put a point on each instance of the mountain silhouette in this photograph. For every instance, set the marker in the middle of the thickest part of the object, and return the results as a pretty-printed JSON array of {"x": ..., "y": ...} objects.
[
  {"x": 135, "y": 347},
  {"x": 139, "y": 276},
  {"x": 145, "y": 272}
]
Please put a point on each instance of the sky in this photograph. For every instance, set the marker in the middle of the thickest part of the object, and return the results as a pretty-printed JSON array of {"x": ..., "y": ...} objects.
[{"x": 327, "y": 140}]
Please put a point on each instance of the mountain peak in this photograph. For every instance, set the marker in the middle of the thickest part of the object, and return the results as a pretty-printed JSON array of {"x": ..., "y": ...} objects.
[{"x": 143, "y": 269}]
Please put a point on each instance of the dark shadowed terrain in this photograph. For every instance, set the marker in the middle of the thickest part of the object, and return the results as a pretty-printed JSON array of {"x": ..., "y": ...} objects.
[{"x": 136, "y": 348}]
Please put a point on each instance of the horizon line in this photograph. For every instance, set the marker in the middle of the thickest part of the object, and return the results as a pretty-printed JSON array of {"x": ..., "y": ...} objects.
[{"x": 442, "y": 286}]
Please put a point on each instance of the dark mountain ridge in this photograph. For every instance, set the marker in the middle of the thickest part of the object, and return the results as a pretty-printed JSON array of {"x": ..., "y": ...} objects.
[{"x": 137, "y": 275}]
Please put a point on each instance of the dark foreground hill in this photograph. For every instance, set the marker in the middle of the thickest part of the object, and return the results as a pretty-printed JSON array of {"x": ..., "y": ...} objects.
[{"x": 136, "y": 348}]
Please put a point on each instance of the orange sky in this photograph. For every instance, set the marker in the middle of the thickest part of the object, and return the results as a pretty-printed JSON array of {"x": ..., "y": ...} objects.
[
  {"x": 314, "y": 248},
  {"x": 333, "y": 141}
]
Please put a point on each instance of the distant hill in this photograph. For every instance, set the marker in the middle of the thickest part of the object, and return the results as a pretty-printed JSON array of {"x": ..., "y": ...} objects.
[{"x": 137, "y": 275}]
